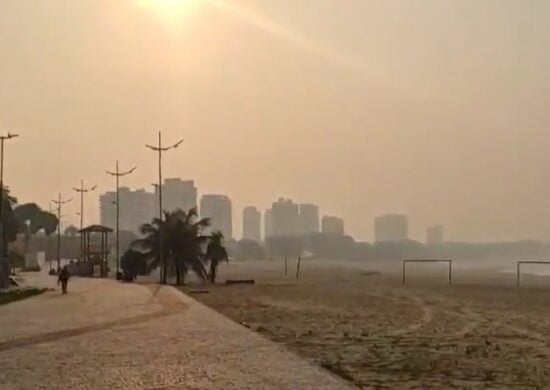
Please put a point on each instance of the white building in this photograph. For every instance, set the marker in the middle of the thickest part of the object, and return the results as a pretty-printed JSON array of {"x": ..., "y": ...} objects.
[
  {"x": 284, "y": 220},
  {"x": 268, "y": 224},
  {"x": 308, "y": 219},
  {"x": 252, "y": 224},
  {"x": 136, "y": 208},
  {"x": 107, "y": 209},
  {"x": 178, "y": 194}
]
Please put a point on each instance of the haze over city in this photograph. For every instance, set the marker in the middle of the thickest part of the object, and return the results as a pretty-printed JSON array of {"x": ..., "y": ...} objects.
[{"x": 435, "y": 109}]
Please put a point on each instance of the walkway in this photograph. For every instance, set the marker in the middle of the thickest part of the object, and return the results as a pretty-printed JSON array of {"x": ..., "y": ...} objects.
[{"x": 108, "y": 335}]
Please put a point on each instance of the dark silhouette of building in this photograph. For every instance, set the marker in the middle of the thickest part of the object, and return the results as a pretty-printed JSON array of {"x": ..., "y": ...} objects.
[{"x": 333, "y": 225}]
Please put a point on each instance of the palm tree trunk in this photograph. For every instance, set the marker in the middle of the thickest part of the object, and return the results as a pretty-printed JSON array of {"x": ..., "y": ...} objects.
[
  {"x": 178, "y": 274},
  {"x": 164, "y": 274},
  {"x": 213, "y": 267}
]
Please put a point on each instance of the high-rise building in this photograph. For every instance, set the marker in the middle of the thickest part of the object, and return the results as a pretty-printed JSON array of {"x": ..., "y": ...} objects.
[
  {"x": 435, "y": 235},
  {"x": 308, "y": 219},
  {"x": 107, "y": 209},
  {"x": 285, "y": 218},
  {"x": 252, "y": 224},
  {"x": 178, "y": 194},
  {"x": 268, "y": 224},
  {"x": 333, "y": 225},
  {"x": 136, "y": 208},
  {"x": 391, "y": 227},
  {"x": 218, "y": 209}
]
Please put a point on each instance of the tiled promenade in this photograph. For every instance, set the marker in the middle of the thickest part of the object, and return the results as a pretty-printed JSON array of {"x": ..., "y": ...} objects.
[{"x": 108, "y": 335}]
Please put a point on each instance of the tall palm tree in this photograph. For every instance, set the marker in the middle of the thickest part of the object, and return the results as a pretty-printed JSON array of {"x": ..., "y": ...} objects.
[
  {"x": 183, "y": 244},
  {"x": 188, "y": 243},
  {"x": 215, "y": 253}
]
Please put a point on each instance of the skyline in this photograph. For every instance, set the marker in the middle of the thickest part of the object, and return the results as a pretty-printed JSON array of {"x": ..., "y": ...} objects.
[{"x": 449, "y": 125}]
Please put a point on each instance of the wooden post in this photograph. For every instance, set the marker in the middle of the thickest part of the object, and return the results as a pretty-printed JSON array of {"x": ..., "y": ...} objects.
[
  {"x": 450, "y": 272},
  {"x": 404, "y": 263},
  {"x": 286, "y": 266},
  {"x": 517, "y": 273},
  {"x": 298, "y": 268}
]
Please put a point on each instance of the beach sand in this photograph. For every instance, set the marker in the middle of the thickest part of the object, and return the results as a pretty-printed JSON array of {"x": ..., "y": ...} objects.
[{"x": 361, "y": 323}]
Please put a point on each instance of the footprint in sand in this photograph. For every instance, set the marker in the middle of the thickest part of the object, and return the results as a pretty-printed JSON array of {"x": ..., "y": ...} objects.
[{"x": 426, "y": 318}]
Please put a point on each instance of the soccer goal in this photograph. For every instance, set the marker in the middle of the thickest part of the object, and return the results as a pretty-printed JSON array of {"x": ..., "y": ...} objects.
[
  {"x": 521, "y": 262},
  {"x": 448, "y": 261}
]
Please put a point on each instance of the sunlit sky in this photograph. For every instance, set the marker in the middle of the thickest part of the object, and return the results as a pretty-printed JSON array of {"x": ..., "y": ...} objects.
[{"x": 433, "y": 108}]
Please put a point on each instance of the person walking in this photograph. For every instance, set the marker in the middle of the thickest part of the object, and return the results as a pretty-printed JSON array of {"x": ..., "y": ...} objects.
[{"x": 63, "y": 279}]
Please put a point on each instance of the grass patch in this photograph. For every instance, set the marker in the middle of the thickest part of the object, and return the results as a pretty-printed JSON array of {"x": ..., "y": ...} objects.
[{"x": 17, "y": 295}]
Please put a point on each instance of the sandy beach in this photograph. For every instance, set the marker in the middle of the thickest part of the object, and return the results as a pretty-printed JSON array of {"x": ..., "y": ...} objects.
[{"x": 361, "y": 323}]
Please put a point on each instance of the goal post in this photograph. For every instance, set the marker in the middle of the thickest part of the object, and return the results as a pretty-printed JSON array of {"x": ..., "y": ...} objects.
[
  {"x": 448, "y": 261},
  {"x": 521, "y": 262}
]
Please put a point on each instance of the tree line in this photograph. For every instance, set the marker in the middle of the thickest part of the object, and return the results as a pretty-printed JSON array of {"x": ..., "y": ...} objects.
[
  {"x": 17, "y": 219},
  {"x": 177, "y": 244}
]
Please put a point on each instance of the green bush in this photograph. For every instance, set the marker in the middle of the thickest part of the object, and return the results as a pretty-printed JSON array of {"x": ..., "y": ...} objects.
[{"x": 17, "y": 295}]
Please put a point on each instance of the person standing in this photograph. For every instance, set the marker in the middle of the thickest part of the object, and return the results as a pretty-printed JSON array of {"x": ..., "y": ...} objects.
[{"x": 63, "y": 279}]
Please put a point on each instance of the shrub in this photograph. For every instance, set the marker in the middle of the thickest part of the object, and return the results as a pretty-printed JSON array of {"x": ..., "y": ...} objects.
[
  {"x": 17, "y": 295},
  {"x": 35, "y": 268}
]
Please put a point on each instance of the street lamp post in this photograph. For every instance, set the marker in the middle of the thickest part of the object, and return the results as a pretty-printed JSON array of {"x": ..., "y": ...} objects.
[
  {"x": 160, "y": 149},
  {"x": 4, "y": 268},
  {"x": 59, "y": 202},
  {"x": 82, "y": 191},
  {"x": 117, "y": 174}
]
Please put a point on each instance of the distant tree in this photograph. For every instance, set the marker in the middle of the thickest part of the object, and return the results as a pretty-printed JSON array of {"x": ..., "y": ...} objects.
[
  {"x": 71, "y": 231},
  {"x": 39, "y": 219},
  {"x": 11, "y": 227},
  {"x": 330, "y": 246},
  {"x": 250, "y": 250},
  {"x": 215, "y": 253},
  {"x": 399, "y": 250},
  {"x": 48, "y": 223},
  {"x": 285, "y": 246},
  {"x": 362, "y": 251},
  {"x": 11, "y": 223}
]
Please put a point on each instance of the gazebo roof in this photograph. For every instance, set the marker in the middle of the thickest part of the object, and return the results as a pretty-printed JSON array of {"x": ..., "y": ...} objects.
[{"x": 96, "y": 229}]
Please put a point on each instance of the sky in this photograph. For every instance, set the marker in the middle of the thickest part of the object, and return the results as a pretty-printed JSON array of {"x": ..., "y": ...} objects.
[{"x": 437, "y": 109}]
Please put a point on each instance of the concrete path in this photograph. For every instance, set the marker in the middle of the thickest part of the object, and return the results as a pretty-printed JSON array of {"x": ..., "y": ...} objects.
[{"x": 108, "y": 335}]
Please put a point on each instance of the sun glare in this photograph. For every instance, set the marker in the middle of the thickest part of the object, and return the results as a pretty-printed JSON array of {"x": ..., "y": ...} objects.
[{"x": 173, "y": 11}]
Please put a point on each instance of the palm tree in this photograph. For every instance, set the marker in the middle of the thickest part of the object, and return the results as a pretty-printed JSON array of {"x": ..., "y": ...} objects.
[
  {"x": 216, "y": 252},
  {"x": 183, "y": 244},
  {"x": 188, "y": 242}
]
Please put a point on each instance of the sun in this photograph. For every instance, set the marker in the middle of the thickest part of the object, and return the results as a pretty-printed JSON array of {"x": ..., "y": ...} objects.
[{"x": 170, "y": 10}]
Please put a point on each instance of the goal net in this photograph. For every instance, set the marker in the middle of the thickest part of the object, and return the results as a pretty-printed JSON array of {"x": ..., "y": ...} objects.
[
  {"x": 526, "y": 262},
  {"x": 409, "y": 262}
]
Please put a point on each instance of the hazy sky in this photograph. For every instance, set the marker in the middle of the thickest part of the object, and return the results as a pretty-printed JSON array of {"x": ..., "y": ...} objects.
[{"x": 434, "y": 108}]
